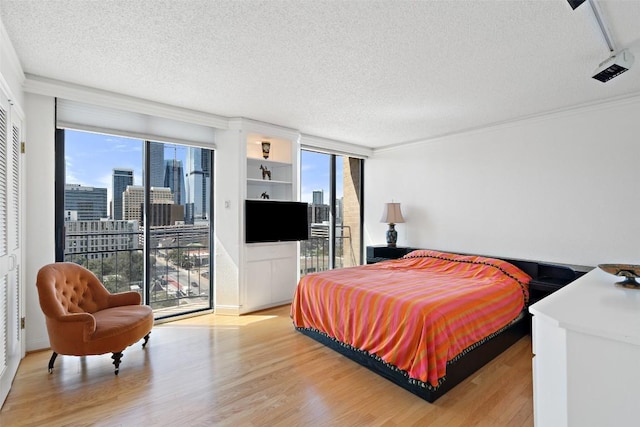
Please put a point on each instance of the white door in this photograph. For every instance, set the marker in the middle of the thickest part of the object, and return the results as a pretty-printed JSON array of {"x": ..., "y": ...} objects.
[{"x": 11, "y": 290}]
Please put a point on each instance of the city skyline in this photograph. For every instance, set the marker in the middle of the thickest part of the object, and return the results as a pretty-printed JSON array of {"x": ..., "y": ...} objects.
[{"x": 91, "y": 157}]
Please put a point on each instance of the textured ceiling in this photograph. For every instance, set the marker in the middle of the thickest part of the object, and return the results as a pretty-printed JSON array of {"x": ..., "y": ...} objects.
[{"x": 373, "y": 73}]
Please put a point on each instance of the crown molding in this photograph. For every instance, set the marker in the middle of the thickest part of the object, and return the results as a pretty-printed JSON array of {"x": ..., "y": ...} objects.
[
  {"x": 614, "y": 102},
  {"x": 59, "y": 89}
]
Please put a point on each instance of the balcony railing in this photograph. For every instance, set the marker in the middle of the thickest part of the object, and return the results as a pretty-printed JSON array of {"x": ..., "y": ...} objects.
[
  {"x": 179, "y": 279},
  {"x": 314, "y": 252}
]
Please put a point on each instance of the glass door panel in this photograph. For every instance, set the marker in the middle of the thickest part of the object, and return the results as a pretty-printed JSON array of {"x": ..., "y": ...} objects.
[
  {"x": 140, "y": 222},
  {"x": 315, "y": 184},
  {"x": 100, "y": 233},
  {"x": 331, "y": 184},
  {"x": 179, "y": 219}
]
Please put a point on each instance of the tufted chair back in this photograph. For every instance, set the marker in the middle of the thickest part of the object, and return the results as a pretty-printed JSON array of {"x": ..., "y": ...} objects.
[
  {"x": 84, "y": 318},
  {"x": 67, "y": 287}
]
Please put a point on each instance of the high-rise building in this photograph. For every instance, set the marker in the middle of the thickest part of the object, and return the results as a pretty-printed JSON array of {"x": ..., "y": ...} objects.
[
  {"x": 105, "y": 239},
  {"x": 89, "y": 203},
  {"x": 174, "y": 179},
  {"x": 133, "y": 202},
  {"x": 161, "y": 195},
  {"x": 318, "y": 213},
  {"x": 156, "y": 164},
  {"x": 165, "y": 214},
  {"x": 198, "y": 184},
  {"x": 121, "y": 179},
  {"x": 318, "y": 197}
]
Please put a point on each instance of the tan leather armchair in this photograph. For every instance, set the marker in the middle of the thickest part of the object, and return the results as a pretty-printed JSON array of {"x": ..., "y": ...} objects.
[{"x": 83, "y": 318}]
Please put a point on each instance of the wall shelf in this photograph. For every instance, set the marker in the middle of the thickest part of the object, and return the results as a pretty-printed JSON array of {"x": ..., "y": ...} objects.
[{"x": 252, "y": 181}]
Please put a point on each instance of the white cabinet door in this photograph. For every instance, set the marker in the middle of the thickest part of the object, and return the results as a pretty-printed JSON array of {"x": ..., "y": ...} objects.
[
  {"x": 271, "y": 275},
  {"x": 11, "y": 290},
  {"x": 283, "y": 279},
  {"x": 258, "y": 289},
  {"x": 549, "y": 373}
]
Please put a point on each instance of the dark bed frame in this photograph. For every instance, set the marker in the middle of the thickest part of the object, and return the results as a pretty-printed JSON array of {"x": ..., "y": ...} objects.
[{"x": 474, "y": 359}]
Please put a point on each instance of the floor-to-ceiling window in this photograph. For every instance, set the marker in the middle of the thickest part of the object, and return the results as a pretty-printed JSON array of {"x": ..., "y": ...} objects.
[
  {"x": 138, "y": 214},
  {"x": 332, "y": 185}
]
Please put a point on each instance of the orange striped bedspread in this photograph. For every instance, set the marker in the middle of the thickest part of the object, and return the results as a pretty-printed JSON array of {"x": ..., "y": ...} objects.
[{"x": 414, "y": 314}]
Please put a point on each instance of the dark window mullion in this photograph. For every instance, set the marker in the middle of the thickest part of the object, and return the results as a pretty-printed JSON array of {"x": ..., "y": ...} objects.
[
  {"x": 59, "y": 194},
  {"x": 146, "y": 277},
  {"x": 332, "y": 212}
]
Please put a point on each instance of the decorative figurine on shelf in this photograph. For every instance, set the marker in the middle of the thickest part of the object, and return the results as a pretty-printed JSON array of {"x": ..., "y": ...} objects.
[
  {"x": 265, "y": 172},
  {"x": 264, "y": 195},
  {"x": 266, "y": 147}
]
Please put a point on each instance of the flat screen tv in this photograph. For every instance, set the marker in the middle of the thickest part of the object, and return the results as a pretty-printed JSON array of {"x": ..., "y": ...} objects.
[{"x": 275, "y": 221}]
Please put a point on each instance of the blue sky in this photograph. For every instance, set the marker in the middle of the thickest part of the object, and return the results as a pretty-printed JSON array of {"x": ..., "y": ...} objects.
[
  {"x": 315, "y": 175},
  {"x": 91, "y": 157}
]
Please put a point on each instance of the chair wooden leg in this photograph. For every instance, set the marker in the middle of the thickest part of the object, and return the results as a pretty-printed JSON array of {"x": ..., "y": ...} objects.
[
  {"x": 146, "y": 339},
  {"x": 53, "y": 359},
  {"x": 116, "y": 360}
]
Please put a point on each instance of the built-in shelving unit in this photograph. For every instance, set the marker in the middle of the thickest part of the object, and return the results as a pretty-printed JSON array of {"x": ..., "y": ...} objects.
[
  {"x": 270, "y": 273},
  {"x": 273, "y": 176},
  {"x": 276, "y": 182}
]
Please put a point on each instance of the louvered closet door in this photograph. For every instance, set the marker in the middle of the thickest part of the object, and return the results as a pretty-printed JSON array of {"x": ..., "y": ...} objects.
[{"x": 11, "y": 333}]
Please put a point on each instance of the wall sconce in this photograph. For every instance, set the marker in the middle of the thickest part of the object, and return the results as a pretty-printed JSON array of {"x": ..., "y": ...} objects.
[{"x": 392, "y": 215}]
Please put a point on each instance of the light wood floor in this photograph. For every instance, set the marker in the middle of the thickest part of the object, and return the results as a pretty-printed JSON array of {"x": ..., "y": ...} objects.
[{"x": 254, "y": 370}]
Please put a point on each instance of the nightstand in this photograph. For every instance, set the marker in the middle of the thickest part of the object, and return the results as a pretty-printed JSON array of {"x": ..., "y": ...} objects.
[
  {"x": 379, "y": 253},
  {"x": 551, "y": 278}
]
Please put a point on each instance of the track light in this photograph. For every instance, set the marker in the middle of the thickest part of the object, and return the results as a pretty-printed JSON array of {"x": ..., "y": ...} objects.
[{"x": 613, "y": 66}]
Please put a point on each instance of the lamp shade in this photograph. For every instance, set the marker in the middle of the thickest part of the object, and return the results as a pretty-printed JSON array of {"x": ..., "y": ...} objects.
[{"x": 392, "y": 214}]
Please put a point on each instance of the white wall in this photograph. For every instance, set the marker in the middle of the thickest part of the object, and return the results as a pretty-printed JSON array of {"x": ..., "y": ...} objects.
[
  {"x": 40, "y": 207},
  {"x": 563, "y": 188},
  {"x": 227, "y": 193}
]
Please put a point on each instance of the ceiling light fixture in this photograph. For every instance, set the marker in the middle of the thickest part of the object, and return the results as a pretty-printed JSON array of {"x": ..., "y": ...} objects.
[
  {"x": 616, "y": 63},
  {"x": 613, "y": 66}
]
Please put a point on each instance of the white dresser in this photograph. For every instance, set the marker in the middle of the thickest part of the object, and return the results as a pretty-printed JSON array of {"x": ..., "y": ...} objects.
[{"x": 586, "y": 345}]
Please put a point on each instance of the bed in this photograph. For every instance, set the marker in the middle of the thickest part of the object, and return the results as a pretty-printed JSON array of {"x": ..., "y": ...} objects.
[{"x": 425, "y": 321}]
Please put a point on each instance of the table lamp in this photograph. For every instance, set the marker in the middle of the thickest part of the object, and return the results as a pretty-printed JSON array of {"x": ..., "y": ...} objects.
[{"x": 392, "y": 215}]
